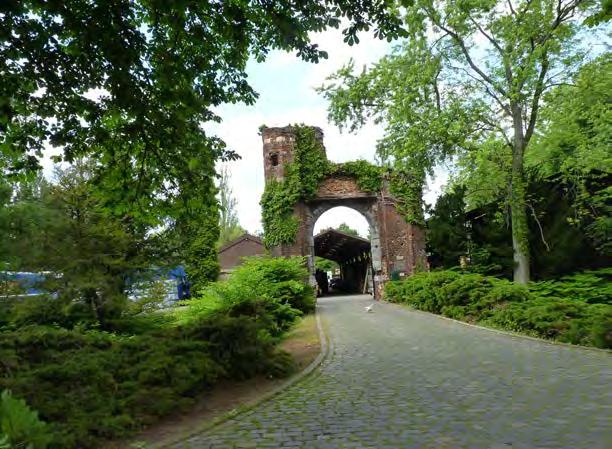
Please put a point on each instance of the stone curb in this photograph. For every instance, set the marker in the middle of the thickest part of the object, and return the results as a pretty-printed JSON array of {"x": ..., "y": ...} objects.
[
  {"x": 500, "y": 331},
  {"x": 219, "y": 422}
]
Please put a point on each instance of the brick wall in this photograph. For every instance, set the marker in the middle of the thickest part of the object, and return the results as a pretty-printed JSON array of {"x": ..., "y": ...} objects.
[
  {"x": 229, "y": 256},
  {"x": 400, "y": 246}
]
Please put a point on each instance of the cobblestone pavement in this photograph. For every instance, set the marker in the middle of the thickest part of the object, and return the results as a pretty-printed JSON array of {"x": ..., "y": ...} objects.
[{"x": 402, "y": 379}]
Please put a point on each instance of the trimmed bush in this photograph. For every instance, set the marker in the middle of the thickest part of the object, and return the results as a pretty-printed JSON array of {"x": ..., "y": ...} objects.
[
  {"x": 502, "y": 304},
  {"x": 420, "y": 290},
  {"x": 559, "y": 319}
]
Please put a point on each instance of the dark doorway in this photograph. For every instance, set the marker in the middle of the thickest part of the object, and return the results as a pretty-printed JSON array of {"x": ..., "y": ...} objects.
[{"x": 353, "y": 255}]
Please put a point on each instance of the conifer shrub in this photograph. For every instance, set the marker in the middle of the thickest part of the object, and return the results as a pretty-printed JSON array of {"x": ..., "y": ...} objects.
[
  {"x": 90, "y": 384},
  {"x": 20, "y": 426},
  {"x": 592, "y": 286},
  {"x": 574, "y": 309}
]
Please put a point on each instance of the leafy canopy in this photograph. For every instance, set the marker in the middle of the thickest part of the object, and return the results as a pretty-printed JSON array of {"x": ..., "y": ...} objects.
[
  {"x": 468, "y": 74},
  {"x": 128, "y": 84}
]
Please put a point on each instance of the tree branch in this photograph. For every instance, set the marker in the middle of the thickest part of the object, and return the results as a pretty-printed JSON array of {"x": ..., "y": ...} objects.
[
  {"x": 511, "y": 8},
  {"x": 437, "y": 91},
  {"x": 492, "y": 94},
  {"x": 501, "y": 131},
  {"x": 536, "y": 98},
  {"x": 535, "y": 217},
  {"x": 487, "y": 35},
  {"x": 549, "y": 85},
  {"x": 460, "y": 42}
]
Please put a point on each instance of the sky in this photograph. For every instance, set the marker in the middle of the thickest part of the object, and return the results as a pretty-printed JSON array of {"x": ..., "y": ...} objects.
[{"x": 286, "y": 87}]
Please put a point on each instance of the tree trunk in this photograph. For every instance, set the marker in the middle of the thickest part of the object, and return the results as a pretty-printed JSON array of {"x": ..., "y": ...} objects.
[{"x": 518, "y": 206}]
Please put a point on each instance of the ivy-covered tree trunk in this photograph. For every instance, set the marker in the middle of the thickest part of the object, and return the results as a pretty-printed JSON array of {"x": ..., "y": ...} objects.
[
  {"x": 518, "y": 212},
  {"x": 200, "y": 255}
]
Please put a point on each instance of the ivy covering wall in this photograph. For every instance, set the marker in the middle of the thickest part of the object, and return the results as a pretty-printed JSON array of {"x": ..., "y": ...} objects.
[{"x": 304, "y": 175}]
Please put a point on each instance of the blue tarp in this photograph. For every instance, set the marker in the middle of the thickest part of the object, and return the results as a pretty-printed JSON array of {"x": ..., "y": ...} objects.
[{"x": 31, "y": 282}]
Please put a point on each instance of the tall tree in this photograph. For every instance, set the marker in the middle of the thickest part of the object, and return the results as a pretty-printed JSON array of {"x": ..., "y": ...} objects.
[
  {"x": 228, "y": 219},
  {"x": 347, "y": 229},
  {"x": 468, "y": 74},
  {"x": 447, "y": 233},
  {"x": 571, "y": 146},
  {"x": 574, "y": 144},
  {"x": 62, "y": 227},
  {"x": 128, "y": 83}
]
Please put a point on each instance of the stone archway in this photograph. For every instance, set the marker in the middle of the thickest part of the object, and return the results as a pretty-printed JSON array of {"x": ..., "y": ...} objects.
[
  {"x": 365, "y": 206},
  {"x": 398, "y": 247}
]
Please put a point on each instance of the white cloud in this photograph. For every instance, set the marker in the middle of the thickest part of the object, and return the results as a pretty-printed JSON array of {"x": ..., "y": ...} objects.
[{"x": 435, "y": 185}]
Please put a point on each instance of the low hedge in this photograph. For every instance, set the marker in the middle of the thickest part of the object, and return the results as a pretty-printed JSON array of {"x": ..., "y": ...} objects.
[
  {"x": 89, "y": 385},
  {"x": 584, "y": 319}
]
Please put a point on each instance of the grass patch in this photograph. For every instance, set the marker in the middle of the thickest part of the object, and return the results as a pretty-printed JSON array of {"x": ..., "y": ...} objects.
[{"x": 302, "y": 342}]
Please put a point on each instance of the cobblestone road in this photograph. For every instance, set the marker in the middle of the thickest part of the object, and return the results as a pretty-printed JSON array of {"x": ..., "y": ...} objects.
[{"x": 401, "y": 379}]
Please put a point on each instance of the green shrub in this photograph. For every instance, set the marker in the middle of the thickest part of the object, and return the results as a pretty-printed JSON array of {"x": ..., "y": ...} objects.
[
  {"x": 39, "y": 310},
  {"x": 500, "y": 303},
  {"x": 272, "y": 291},
  {"x": 20, "y": 426},
  {"x": 229, "y": 299},
  {"x": 563, "y": 320},
  {"x": 91, "y": 384},
  {"x": 420, "y": 290},
  {"x": 593, "y": 287},
  {"x": 283, "y": 279},
  {"x": 473, "y": 297}
]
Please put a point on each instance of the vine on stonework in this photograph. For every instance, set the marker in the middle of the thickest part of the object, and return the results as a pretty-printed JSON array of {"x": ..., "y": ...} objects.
[
  {"x": 407, "y": 189},
  {"x": 369, "y": 177},
  {"x": 304, "y": 175},
  {"x": 301, "y": 181},
  {"x": 277, "y": 203}
]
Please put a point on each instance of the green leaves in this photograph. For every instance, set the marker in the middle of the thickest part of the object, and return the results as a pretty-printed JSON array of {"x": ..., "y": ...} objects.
[
  {"x": 129, "y": 84},
  {"x": 154, "y": 64},
  {"x": 369, "y": 177},
  {"x": 20, "y": 426},
  {"x": 501, "y": 304},
  {"x": 469, "y": 78},
  {"x": 574, "y": 144}
]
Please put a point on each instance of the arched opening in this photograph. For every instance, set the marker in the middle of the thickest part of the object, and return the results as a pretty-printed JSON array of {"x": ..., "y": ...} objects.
[{"x": 342, "y": 249}]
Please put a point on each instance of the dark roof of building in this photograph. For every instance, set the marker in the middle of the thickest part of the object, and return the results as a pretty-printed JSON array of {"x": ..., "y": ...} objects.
[
  {"x": 340, "y": 246},
  {"x": 243, "y": 237}
]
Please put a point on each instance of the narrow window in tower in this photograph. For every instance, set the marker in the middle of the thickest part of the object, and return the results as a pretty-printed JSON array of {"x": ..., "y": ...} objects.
[{"x": 274, "y": 159}]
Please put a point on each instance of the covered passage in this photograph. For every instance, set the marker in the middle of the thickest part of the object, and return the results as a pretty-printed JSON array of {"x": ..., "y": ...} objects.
[{"x": 353, "y": 255}]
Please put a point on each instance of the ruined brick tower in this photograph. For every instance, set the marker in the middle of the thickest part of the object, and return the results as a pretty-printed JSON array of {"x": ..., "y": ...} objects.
[
  {"x": 278, "y": 146},
  {"x": 397, "y": 247}
]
